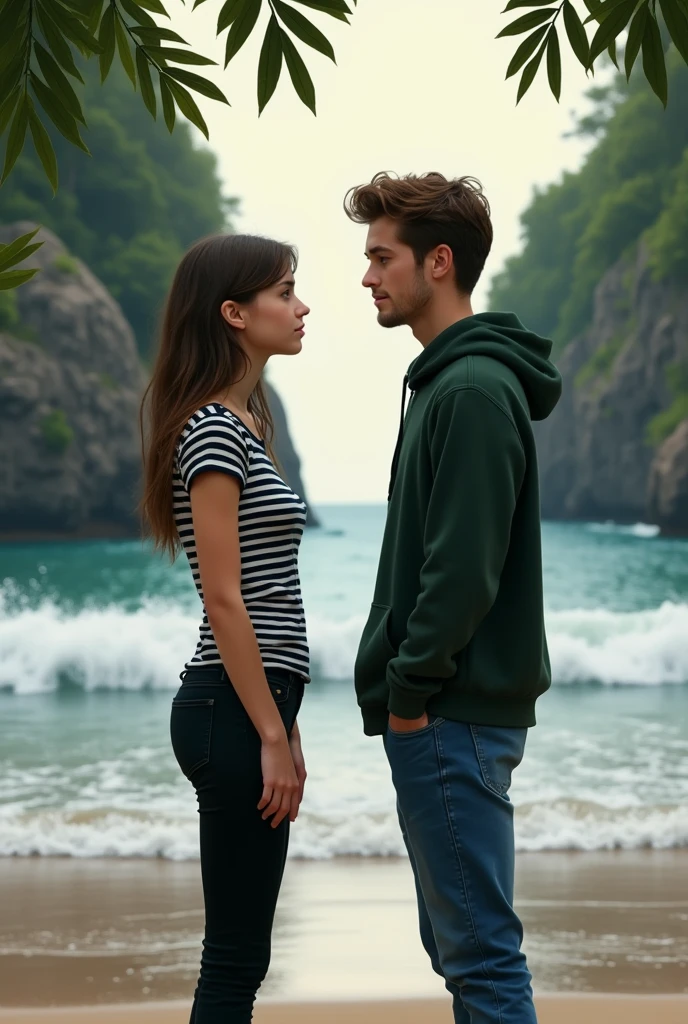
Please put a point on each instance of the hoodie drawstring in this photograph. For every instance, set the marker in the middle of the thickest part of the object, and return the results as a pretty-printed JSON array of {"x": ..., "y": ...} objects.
[{"x": 400, "y": 435}]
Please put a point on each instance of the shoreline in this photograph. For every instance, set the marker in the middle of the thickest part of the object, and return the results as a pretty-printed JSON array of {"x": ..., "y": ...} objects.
[{"x": 115, "y": 933}]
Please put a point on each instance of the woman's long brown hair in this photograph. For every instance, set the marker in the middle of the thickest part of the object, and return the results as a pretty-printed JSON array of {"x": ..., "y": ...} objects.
[{"x": 199, "y": 356}]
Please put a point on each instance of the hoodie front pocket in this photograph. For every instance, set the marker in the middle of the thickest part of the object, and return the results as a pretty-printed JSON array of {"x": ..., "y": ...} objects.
[{"x": 375, "y": 650}]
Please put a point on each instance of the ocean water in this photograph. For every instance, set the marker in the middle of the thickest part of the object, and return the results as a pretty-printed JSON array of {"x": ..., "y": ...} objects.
[{"x": 93, "y": 637}]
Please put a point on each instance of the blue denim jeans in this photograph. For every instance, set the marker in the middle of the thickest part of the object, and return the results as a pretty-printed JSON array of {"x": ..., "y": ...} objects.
[{"x": 452, "y": 782}]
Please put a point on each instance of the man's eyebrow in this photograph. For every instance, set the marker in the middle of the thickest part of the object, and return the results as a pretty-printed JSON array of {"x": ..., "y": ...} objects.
[{"x": 376, "y": 249}]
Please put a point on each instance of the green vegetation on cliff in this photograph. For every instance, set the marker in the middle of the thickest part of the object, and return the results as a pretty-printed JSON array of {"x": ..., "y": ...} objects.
[
  {"x": 634, "y": 183},
  {"x": 130, "y": 209}
]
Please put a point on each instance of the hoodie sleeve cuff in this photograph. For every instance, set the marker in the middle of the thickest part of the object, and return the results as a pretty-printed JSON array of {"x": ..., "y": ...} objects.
[{"x": 405, "y": 704}]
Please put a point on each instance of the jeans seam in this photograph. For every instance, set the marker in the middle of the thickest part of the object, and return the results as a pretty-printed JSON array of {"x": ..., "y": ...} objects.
[{"x": 457, "y": 851}]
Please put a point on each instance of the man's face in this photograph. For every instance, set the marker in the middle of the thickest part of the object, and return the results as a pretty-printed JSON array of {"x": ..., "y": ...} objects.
[{"x": 397, "y": 284}]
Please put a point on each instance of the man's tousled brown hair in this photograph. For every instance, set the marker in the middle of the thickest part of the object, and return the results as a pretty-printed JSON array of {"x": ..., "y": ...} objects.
[{"x": 431, "y": 210}]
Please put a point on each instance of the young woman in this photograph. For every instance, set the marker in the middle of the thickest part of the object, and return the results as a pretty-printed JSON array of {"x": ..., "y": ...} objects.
[{"x": 212, "y": 488}]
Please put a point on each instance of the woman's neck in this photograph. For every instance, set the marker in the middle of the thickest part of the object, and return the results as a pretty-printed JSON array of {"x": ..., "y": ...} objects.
[{"x": 237, "y": 395}]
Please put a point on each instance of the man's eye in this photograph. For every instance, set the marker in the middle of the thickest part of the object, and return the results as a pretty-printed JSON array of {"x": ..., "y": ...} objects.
[{"x": 384, "y": 259}]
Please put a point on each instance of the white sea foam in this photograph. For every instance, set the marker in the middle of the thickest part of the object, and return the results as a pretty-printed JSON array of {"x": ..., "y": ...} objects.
[
  {"x": 43, "y": 648},
  {"x": 560, "y": 825},
  {"x": 642, "y": 530}
]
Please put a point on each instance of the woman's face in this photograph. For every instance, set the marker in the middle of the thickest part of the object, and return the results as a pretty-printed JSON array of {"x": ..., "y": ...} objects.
[{"x": 273, "y": 322}]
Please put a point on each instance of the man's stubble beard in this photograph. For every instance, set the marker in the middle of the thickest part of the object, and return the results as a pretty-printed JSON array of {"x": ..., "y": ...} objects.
[{"x": 410, "y": 306}]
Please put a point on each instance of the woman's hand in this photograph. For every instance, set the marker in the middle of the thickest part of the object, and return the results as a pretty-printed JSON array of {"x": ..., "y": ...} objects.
[
  {"x": 280, "y": 783},
  {"x": 299, "y": 765}
]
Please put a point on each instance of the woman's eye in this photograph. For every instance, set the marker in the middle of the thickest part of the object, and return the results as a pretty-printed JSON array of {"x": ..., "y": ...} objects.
[
  {"x": 287, "y": 294},
  {"x": 383, "y": 260}
]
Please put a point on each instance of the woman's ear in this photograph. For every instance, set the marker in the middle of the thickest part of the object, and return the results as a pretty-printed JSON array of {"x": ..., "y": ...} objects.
[{"x": 232, "y": 313}]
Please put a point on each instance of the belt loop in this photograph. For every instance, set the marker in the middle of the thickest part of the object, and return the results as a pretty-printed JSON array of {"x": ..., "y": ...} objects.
[{"x": 223, "y": 673}]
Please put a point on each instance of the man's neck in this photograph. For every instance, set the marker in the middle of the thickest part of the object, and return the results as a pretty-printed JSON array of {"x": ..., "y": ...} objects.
[{"x": 438, "y": 315}]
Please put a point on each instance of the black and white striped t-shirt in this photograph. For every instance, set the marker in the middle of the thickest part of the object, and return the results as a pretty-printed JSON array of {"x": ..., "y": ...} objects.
[{"x": 271, "y": 522}]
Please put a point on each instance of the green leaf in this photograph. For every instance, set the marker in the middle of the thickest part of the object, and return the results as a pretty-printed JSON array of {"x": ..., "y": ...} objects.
[
  {"x": 653, "y": 60},
  {"x": 228, "y": 12},
  {"x": 241, "y": 29},
  {"x": 513, "y": 4},
  {"x": 44, "y": 148},
  {"x": 61, "y": 118},
  {"x": 17, "y": 134},
  {"x": 59, "y": 47},
  {"x": 525, "y": 50},
  {"x": 610, "y": 28},
  {"x": 12, "y": 76},
  {"x": 198, "y": 84},
  {"x": 335, "y": 8},
  {"x": 14, "y": 19},
  {"x": 302, "y": 81},
  {"x": 58, "y": 82},
  {"x": 576, "y": 33},
  {"x": 140, "y": 16},
  {"x": 17, "y": 250},
  {"x": 187, "y": 105},
  {"x": 146, "y": 82},
  {"x": 554, "y": 64},
  {"x": 611, "y": 50},
  {"x": 635, "y": 38},
  {"x": 178, "y": 56},
  {"x": 529, "y": 73},
  {"x": 197, "y": 3},
  {"x": 167, "y": 104},
  {"x": 304, "y": 29},
  {"x": 10, "y": 261},
  {"x": 527, "y": 21},
  {"x": 153, "y": 36},
  {"x": 601, "y": 9},
  {"x": 153, "y": 5},
  {"x": 13, "y": 278},
  {"x": 72, "y": 28},
  {"x": 269, "y": 63},
  {"x": 106, "y": 38},
  {"x": 124, "y": 50},
  {"x": 7, "y": 109},
  {"x": 676, "y": 19}
]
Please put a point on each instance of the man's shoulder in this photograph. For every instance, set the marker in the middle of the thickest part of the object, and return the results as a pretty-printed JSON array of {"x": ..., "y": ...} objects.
[{"x": 478, "y": 373}]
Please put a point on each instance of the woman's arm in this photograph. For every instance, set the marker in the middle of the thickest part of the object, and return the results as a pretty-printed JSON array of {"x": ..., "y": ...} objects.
[{"x": 215, "y": 510}]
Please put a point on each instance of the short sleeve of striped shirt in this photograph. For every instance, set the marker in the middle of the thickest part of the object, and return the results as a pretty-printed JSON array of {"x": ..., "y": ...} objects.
[{"x": 213, "y": 444}]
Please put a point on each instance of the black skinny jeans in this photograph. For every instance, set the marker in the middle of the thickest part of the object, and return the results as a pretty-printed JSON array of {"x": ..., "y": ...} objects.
[{"x": 242, "y": 856}]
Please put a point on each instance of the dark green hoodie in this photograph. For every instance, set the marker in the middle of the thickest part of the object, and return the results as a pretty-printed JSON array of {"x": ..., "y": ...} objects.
[{"x": 456, "y": 626}]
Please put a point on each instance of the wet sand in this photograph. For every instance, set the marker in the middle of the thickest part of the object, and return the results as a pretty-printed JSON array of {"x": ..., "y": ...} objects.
[
  {"x": 94, "y": 933},
  {"x": 551, "y": 1010}
]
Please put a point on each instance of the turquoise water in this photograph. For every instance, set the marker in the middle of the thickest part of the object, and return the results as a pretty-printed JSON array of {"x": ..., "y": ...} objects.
[{"x": 93, "y": 637}]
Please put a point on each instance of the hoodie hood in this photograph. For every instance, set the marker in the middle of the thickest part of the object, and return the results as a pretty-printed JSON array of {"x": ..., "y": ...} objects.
[{"x": 501, "y": 336}]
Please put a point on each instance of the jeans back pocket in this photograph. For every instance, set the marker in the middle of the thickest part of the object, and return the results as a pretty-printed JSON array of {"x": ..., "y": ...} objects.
[
  {"x": 191, "y": 723},
  {"x": 499, "y": 750}
]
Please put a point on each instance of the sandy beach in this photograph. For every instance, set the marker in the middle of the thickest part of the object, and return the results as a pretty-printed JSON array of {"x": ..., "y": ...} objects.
[
  {"x": 551, "y": 1010},
  {"x": 118, "y": 940}
]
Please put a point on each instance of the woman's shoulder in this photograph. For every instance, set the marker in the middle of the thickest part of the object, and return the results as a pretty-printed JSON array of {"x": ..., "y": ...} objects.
[{"x": 215, "y": 418}]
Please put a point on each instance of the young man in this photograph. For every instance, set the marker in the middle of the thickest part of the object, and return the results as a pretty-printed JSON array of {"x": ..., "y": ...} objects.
[{"x": 454, "y": 653}]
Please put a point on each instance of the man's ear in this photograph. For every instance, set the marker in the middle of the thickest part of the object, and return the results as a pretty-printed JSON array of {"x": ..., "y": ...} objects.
[{"x": 441, "y": 262}]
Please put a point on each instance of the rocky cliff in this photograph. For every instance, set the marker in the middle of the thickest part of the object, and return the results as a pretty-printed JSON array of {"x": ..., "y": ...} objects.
[
  {"x": 616, "y": 447},
  {"x": 70, "y": 382},
  {"x": 70, "y": 386}
]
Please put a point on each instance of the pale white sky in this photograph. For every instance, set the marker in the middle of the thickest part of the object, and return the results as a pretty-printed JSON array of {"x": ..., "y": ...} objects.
[{"x": 418, "y": 87}]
